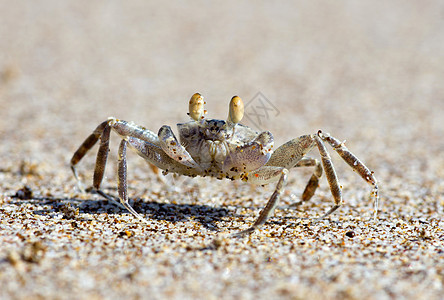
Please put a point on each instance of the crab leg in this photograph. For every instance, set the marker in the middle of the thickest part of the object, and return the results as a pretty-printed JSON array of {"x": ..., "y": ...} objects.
[
  {"x": 291, "y": 154},
  {"x": 122, "y": 185},
  {"x": 155, "y": 155},
  {"x": 313, "y": 183},
  {"x": 102, "y": 156},
  {"x": 265, "y": 175},
  {"x": 330, "y": 173},
  {"x": 357, "y": 165},
  {"x": 123, "y": 128},
  {"x": 90, "y": 141},
  {"x": 103, "y": 131},
  {"x": 145, "y": 142},
  {"x": 296, "y": 149}
]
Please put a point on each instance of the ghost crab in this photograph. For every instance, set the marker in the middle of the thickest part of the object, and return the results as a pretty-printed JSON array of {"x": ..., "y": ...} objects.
[{"x": 222, "y": 149}]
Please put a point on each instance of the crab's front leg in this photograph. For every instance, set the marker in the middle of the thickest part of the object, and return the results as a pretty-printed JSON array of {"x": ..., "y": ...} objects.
[{"x": 171, "y": 146}]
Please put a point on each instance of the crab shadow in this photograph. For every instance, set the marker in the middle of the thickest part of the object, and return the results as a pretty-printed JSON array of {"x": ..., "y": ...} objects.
[{"x": 206, "y": 215}]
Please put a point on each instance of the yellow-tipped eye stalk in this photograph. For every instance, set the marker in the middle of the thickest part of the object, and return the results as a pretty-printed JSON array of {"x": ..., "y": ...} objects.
[
  {"x": 236, "y": 110},
  {"x": 196, "y": 107}
]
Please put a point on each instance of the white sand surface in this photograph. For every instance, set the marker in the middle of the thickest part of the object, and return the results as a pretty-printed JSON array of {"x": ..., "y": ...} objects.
[{"x": 367, "y": 72}]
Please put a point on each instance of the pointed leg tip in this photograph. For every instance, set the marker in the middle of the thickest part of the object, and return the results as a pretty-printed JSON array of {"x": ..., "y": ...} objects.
[
  {"x": 243, "y": 232},
  {"x": 375, "y": 216},
  {"x": 333, "y": 209}
]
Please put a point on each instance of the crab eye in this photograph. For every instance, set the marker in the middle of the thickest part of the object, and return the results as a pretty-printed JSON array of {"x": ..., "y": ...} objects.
[
  {"x": 236, "y": 110},
  {"x": 196, "y": 107}
]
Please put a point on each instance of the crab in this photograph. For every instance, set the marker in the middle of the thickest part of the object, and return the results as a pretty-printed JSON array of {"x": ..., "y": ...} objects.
[{"x": 222, "y": 149}]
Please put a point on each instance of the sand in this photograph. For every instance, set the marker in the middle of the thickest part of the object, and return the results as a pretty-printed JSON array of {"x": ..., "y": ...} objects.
[{"x": 368, "y": 73}]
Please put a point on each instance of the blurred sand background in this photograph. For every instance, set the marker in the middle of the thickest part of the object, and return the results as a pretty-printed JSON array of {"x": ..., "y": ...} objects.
[{"x": 367, "y": 72}]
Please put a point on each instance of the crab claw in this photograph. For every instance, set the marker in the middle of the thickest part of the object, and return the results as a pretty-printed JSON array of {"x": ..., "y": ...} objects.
[
  {"x": 196, "y": 107},
  {"x": 236, "y": 110}
]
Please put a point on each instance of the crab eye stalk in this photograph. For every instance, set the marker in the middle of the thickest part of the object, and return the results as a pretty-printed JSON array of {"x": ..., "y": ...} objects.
[
  {"x": 236, "y": 110},
  {"x": 196, "y": 107}
]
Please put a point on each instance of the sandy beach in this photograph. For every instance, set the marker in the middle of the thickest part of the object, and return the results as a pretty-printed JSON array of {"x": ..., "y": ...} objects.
[{"x": 370, "y": 74}]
